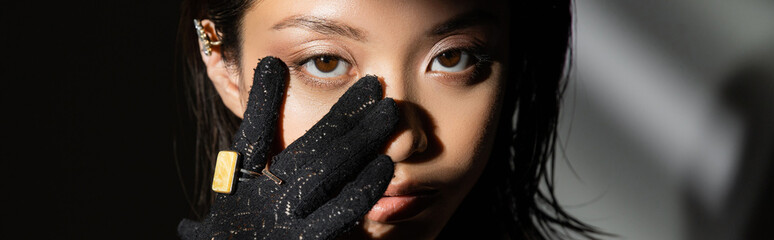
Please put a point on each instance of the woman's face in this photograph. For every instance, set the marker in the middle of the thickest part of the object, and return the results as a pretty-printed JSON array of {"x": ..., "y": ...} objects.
[{"x": 435, "y": 58}]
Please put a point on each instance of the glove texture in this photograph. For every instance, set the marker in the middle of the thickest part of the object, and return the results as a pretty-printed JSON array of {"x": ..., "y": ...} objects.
[{"x": 331, "y": 176}]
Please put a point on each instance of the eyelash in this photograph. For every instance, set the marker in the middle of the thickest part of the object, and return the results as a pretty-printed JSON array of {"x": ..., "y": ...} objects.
[
  {"x": 297, "y": 68},
  {"x": 477, "y": 52},
  {"x": 481, "y": 58}
]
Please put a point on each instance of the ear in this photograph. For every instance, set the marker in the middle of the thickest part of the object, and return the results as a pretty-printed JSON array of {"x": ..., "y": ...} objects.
[{"x": 226, "y": 81}]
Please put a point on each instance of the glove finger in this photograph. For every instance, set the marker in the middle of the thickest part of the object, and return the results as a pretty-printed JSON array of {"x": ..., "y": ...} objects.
[
  {"x": 340, "y": 159},
  {"x": 345, "y": 114},
  {"x": 255, "y": 134},
  {"x": 356, "y": 198},
  {"x": 347, "y": 156},
  {"x": 188, "y": 229},
  {"x": 370, "y": 133}
]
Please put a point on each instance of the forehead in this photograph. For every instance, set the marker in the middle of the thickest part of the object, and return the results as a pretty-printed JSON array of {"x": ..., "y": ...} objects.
[{"x": 372, "y": 18}]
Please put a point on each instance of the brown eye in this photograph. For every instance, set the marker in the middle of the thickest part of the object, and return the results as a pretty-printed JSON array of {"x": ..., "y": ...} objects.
[
  {"x": 449, "y": 58},
  {"x": 326, "y": 66},
  {"x": 326, "y": 63},
  {"x": 452, "y": 61}
]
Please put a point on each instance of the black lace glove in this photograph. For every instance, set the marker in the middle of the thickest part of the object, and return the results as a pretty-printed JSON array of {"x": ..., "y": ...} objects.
[{"x": 331, "y": 176}]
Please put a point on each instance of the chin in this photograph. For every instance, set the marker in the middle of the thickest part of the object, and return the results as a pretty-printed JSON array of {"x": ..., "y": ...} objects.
[
  {"x": 424, "y": 225},
  {"x": 401, "y": 230}
]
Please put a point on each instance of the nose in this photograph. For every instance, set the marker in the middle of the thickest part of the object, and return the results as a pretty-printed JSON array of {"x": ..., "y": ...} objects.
[{"x": 409, "y": 137}]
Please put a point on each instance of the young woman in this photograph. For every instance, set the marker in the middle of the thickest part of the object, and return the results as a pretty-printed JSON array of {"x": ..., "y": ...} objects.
[{"x": 474, "y": 86}]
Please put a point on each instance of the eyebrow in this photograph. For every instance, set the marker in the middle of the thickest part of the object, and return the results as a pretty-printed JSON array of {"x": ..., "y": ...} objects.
[
  {"x": 464, "y": 20},
  {"x": 322, "y": 26}
]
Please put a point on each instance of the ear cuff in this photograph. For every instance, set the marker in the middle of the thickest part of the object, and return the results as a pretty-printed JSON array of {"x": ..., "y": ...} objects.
[{"x": 204, "y": 38}]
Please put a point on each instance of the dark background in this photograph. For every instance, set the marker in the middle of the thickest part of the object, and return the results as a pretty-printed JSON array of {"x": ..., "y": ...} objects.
[{"x": 89, "y": 111}]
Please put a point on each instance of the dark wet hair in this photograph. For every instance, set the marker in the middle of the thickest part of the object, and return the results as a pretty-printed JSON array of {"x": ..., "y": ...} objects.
[{"x": 508, "y": 197}]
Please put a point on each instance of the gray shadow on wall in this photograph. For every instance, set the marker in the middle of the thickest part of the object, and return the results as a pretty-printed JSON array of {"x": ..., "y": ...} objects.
[{"x": 747, "y": 212}]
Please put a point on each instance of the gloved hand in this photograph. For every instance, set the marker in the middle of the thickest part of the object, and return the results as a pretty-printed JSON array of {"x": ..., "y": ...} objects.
[{"x": 331, "y": 176}]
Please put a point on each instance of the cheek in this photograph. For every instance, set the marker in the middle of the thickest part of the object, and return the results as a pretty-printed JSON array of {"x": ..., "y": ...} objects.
[
  {"x": 465, "y": 130},
  {"x": 300, "y": 112},
  {"x": 463, "y": 136},
  {"x": 302, "y": 107}
]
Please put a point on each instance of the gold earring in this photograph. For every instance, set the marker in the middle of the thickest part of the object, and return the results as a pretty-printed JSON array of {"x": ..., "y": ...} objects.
[{"x": 204, "y": 38}]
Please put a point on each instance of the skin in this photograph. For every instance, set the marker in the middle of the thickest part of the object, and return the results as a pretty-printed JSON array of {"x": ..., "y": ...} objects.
[{"x": 447, "y": 118}]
